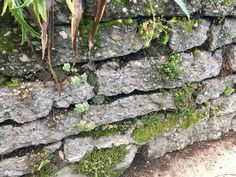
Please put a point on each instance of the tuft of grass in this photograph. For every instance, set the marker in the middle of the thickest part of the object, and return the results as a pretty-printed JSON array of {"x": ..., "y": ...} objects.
[{"x": 102, "y": 162}]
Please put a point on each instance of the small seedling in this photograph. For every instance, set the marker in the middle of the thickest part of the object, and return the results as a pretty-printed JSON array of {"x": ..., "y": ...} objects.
[
  {"x": 81, "y": 108},
  {"x": 84, "y": 125},
  {"x": 229, "y": 91}
]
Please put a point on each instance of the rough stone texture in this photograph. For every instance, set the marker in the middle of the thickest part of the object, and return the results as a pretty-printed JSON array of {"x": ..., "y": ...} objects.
[
  {"x": 75, "y": 149},
  {"x": 225, "y": 105},
  {"x": 130, "y": 107},
  {"x": 67, "y": 172},
  {"x": 222, "y": 34},
  {"x": 231, "y": 56},
  {"x": 144, "y": 76},
  {"x": 181, "y": 40},
  {"x": 112, "y": 41},
  {"x": 213, "y": 88},
  {"x": 40, "y": 100},
  {"x": 209, "y": 129},
  {"x": 19, "y": 165}
]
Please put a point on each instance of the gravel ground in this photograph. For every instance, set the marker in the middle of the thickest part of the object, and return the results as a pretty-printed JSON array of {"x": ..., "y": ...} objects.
[{"x": 203, "y": 159}]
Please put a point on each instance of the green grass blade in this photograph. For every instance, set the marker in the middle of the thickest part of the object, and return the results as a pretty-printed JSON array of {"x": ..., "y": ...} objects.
[{"x": 183, "y": 7}]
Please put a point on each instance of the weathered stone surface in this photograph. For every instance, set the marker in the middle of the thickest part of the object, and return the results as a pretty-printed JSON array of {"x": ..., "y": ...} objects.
[
  {"x": 17, "y": 166},
  {"x": 182, "y": 40},
  {"x": 231, "y": 56},
  {"x": 223, "y": 34},
  {"x": 209, "y": 129},
  {"x": 67, "y": 172},
  {"x": 39, "y": 101},
  {"x": 219, "y": 7},
  {"x": 213, "y": 88},
  {"x": 118, "y": 39},
  {"x": 75, "y": 149},
  {"x": 115, "y": 40},
  {"x": 37, "y": 132},
  {"x": 143, "y": 74},
  {"x": 225, "y": 105},
  {"x": 130, "y": 107}
]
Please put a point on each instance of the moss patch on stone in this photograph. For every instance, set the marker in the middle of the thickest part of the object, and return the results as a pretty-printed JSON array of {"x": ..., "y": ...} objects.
[
  {"x": 111, "y": 129},
  {"x": 155, "y": 124},
  {"x": 9, "y": 82},
  {"x": 187, "y": 25},
  {"x": 102, "y": 162}
]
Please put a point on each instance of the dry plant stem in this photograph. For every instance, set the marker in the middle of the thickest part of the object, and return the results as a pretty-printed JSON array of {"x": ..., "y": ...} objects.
[
  {"x": 50, "y": 44},
  {"x": 100, "y": 8},
  {"x": 75, "y": 21}
]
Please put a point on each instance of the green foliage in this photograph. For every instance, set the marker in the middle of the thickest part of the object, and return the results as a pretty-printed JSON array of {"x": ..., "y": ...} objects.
[
  {"x": 102, "y": 162},
  {"x": 154, "y": 29},
  {"x": 188, "y": 25},
  {"x": 183, "y": 7},
  {"x": 183, "y": 99},
  {"x": 84, "y": 125},
  {"x": 12, "y": 82},
  {"x": 196, "y": 53},
  {"x": 99, "y": 99},
  {"x": 171, "y": 70},
  {"x": 155, "y": 124},
  {"x": 229, "y": 91},
  {"x": 110, "y": 129},
  {"x": 76, "y": 81},
  {"x": 80, "y": 108}
]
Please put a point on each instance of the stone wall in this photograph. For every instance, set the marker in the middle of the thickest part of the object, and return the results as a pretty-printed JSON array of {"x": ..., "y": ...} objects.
[{"x": 158, "y": 98}]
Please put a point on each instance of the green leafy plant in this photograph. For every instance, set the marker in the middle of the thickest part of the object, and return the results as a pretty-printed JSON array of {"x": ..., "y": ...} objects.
[
  {"x": 84, "y": 125},
  {"x": 229, "y": 91},
  {"x": 171, "y": 70},
  {"x": 80, "y": 108}
]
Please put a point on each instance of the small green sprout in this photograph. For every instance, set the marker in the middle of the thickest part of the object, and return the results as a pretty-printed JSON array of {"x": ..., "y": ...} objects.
[
  {"x": 229, "y": 91},
  {"x": 84, "y": 125},
  {"x": 81, "y": 108}
]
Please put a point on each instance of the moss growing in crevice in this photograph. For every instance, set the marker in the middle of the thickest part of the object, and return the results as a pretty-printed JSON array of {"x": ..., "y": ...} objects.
[
  {"x": 187, "y": 25},
  {"x": 42, "y": 164},
  {"x": 9, "y": 82},
  {"x": 155, "y": 124},
  {"x": 111, "y": 129},
  {"x": 102, "y": 162}
]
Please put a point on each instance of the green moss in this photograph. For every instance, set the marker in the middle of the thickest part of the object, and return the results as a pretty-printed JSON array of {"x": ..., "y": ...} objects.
[
  {"x": 184, "y": 99},
  {"x": 187, "y": 25},
  {"x": 171, "y": 70},
  {"x": 229, "y": 91},
  {"x": 196, "y": 53},
  {"x": 110, "y": 129},
  {"x": 155, "y": 124},
  {"x": 7, "y": 41},
  {"x": 42, "y": 163},
  {"x": 120, "y": 3},
  {"x": 102, "y": 162},
  {"x": 154, "y": 29},
  {"x": 9, "y": 82}
]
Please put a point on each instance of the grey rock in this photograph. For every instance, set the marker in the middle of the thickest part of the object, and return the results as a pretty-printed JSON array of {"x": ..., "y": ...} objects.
[
  {"x": 213, "y": 88},
  {"x": 18, "y": 166},
  {"x": 67, "y": 172},
  {"x": 38, "y": 132},
  {"x": 144, "y": 76},
  {"x": 183, "y": 40},
  {"x": 223, "y": 34},
  {"x": 225, "y": 105},
  {"x": 75, "y": 149},
  {"x": 129, "y": 107},
  {"x": 230, "y": 56},
  {"x": 112, "y": 41},
  {"x": 209, "y": 129},
  {"x": 39, "y": 101}
]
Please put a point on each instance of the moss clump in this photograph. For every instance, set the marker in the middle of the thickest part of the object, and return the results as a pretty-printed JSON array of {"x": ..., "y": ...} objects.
[
  {"x": 111, "y": 129},
  {"x": 171, "y": 70},
  {"x": 9, "y": 82},
  {"x": 187, "y": 25},
  {"x": 229, "y": 91},
  {"x": 184, "y": 99},
  {"x": 102, "y": 162},
  {"x": 7, "y": 41},
  {"x": 196, "y": 53},
  {"x": 154, "y": 29},
  {"x": 42, "y": 164},
  {"x": 155, "y": 124}
]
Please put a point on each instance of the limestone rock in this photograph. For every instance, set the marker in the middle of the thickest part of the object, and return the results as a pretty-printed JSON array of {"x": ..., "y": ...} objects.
[
  {"x": 143, "y": 74},
  {"x": 210, "y": 129},
  {"x": 75, "y": 149},
  {"x": 129, "y": 107},
  {"x": 35, "y": 100},
  {"x": 223, "y": 34},
  {"x": 213, "y": 88},
  {"x": 182, "y": 40},
  {"x": 225, "y": 105},
  {"x": 17, "y": 166}
]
